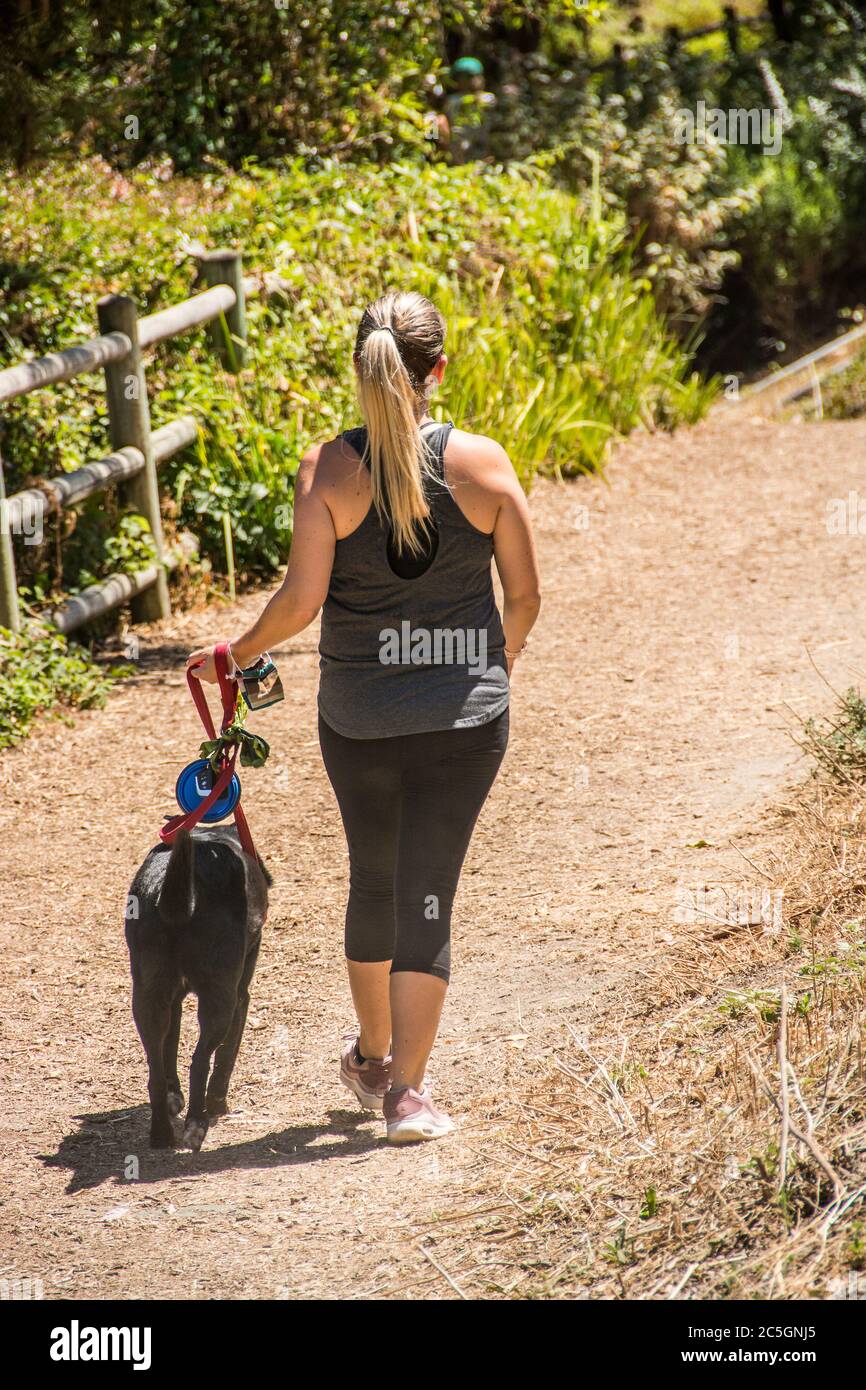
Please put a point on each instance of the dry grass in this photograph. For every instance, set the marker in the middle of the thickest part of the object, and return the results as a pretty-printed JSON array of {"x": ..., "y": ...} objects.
[{"x": 714, "y": 1144}]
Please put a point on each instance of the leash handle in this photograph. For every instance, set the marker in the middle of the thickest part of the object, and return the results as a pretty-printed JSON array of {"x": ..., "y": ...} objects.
[
  {"x": 228, "y": 691},
  {"x": 228, "y": 696}
]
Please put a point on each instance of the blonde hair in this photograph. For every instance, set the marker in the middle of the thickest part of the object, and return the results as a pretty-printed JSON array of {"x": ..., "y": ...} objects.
[{"x": 400, "y": 340}]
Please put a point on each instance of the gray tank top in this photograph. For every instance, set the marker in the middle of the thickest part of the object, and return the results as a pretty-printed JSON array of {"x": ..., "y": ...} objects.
[{"x": 410, "y": 655}]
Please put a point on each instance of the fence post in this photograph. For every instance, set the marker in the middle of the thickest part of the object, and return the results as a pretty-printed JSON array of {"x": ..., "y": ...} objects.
[
  {"x": 129, "y": 424},
  {"x": 226, "y": 268},
  {"x": 9, "y": 613},
  {"x": 731, "y": 27}
]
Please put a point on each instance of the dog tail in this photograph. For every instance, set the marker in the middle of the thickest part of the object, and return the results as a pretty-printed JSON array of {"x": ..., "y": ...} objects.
[{"x": 176, "y": 897}]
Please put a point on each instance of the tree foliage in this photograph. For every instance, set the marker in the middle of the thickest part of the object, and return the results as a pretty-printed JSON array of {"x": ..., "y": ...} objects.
[{"x": 232, "y": 79}]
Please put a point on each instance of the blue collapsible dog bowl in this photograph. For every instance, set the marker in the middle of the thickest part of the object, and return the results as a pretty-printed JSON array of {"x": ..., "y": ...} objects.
[{"x": 196, "y": 782}]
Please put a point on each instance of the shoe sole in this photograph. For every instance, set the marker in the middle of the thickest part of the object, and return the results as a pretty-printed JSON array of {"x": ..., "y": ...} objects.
[
  {"x": 418, "y": 1128},
  {"x": 369, "y": 1099}
]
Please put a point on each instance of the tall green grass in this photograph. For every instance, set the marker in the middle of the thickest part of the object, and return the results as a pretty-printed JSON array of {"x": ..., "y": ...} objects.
[{"x": 589, "y": 365}]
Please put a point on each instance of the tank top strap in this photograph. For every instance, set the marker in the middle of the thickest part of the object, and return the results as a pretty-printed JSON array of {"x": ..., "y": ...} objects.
[
  {"x": 437, "y": 440},
  {"x": 357, "y": 439}
]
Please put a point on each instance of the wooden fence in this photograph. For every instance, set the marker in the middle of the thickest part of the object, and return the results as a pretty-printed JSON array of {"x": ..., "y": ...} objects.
[
  {"x": 804, "y": 376},
  {"x": 137, "y": 451},
  {"x": 672, "y": 37}
]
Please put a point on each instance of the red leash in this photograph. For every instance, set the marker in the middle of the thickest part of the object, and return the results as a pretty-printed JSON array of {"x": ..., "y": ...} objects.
[{"x": 228, "y": 694}]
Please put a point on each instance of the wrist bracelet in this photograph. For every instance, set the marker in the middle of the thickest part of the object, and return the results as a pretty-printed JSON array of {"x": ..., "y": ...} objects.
[
  {"x": 519, "y": 651},
  {"x": 237, "y": 670}
]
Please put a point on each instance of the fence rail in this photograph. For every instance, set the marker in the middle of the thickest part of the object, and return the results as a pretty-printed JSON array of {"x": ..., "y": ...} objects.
[
  {"x": 100, "y": 598},
  {"x": 136, "y": 450},
  {"x": 26, "y": 509},
  {"x": 62, "y": 366},
  {"x": 799, "y": 378},
  {"x": 183, "y": 317},
  {"x": 673, "y": 37}
]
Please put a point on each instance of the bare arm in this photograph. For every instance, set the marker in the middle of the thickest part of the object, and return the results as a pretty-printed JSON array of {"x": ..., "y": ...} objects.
[
  {"x": 516, "y": 561},
  {"x": 305, "y": 586}
]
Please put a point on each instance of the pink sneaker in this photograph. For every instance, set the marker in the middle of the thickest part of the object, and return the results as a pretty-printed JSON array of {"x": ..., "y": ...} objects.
[
  {"x": 411, "y": 1116},
  {"x": 368, "y": 1080}
]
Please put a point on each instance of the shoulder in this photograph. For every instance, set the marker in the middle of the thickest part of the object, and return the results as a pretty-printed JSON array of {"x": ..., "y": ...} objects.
[
  {"x": 326, "y": 466},
  {"x": 474, "y": 458}
]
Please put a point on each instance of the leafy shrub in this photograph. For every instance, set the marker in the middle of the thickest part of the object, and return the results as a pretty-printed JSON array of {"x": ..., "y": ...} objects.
[
  {"x": 802, "y": 231},
  {"x": 683, "y": 202},
  {"x": 204, "y": 80},
  {"x": 771, "y": 245},
  {"x": 843, "y": 396},
  {"x": 39, "y": 671},
  {"x": 555, "y": 343}
]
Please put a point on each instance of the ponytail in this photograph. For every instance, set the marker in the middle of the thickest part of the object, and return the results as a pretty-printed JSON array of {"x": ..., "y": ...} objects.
[{"x": 399, "y": 342}]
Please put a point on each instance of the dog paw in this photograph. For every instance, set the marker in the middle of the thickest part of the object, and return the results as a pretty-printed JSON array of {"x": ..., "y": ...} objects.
[
  {"x": 175, "y": 1102},
  {"x": 217, "y": 1105},
  {"x": 194, "y": 1133}
]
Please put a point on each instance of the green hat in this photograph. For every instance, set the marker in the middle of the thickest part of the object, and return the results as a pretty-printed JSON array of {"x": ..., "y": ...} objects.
[{"x": 470, "y": 67}]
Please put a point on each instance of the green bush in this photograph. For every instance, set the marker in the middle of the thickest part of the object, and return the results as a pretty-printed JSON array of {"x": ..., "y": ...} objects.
[
  {"x": 184, "y": 86},
  {"x": 41, "y": 671},
  {"x": 555, "y": 343},
  {"x": 205, "y": 79},
  {"x": 772, "y": 245}
]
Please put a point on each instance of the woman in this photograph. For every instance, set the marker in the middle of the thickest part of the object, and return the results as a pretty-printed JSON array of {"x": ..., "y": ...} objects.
[{"x": 394, "y": 529}]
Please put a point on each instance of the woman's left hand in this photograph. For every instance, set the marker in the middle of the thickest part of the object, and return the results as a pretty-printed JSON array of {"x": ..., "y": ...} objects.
[{"x": 202, "y": 665}]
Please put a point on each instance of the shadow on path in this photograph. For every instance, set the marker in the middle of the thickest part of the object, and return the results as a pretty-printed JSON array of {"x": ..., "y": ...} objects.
[{"x": 102, "y": 1147}]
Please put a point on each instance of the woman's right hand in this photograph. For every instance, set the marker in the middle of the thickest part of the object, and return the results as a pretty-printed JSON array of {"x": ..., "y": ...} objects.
[{"x": 201, "y": 664}]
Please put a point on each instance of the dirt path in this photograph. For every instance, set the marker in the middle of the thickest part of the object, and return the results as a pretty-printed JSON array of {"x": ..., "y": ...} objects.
[{"x": 648, "y": 730}]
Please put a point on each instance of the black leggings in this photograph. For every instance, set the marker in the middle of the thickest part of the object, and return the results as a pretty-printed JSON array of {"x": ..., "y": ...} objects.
[{"x": 409, "y": 805}]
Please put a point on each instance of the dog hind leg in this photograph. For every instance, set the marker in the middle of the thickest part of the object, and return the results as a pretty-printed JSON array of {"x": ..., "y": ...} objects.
[
  {"x": 227, "y": 1052},
  {"x": 216, "y": 1009},
  {"x": 172, "y": 1040},
  {"x": 152, "y": 1016}
]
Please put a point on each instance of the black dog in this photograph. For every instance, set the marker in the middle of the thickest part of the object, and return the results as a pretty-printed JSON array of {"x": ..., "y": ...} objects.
[{"x": 193, "y": 924}]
